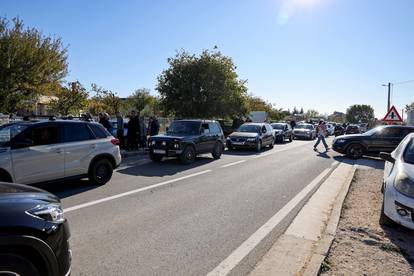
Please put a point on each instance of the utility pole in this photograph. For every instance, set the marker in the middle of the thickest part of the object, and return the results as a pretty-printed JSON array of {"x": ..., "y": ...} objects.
[{"x": 389, "y": 96}]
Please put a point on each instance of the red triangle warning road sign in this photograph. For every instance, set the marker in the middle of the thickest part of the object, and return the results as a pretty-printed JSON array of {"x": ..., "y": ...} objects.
[{"x": 392, "y": 115}]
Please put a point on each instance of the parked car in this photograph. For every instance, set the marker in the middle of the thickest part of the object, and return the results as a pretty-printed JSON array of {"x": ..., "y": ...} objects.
[
  {"x": 352, "y": 129},
  {"x": 46, "y": 151},
  {"x": 253, "y": 136},
  {"x": 187, "y": 138},
  {"x": 363, "y": 127},
  {"x": 398, "y": 185},
  {"x": 282, "y": 132},
  {"x": 304, "y": 131},
  {"x": 34, "y": 234},
  {"x": 330, "y": 129},
  {"x": 339, "y": 130},
  {"x": 372, "y": 142}
]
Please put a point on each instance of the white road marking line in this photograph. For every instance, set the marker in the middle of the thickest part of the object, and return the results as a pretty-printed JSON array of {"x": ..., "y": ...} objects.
[
  {"x": 105, "y": 199},
  {"x": 280, "y": 150},
  {"x": 237, "y": 256},
  {"x": 334, "y": 164},
  {"x": 232, "y": 164}
]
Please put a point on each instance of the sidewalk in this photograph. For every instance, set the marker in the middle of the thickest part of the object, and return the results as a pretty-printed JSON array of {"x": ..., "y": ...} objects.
[{"x": 304, "y": 245}]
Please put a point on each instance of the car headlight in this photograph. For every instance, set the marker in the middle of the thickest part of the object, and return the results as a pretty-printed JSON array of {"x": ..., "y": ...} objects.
[
  {"x": 251, "y": 139},
  {"x": 176, "y": 145},
  {"x": 404, "y": 185},
  {"x": 152, "y": 143},
  {"x": 228, "y": 138},
  {"x": 48, "y": 212},
  {"x": 340, "y": 141},
  {"x": 164, "y": 143}
]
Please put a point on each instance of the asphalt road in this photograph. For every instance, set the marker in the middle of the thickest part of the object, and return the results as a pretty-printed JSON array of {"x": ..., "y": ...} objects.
[{"x": 171, "y": 219}]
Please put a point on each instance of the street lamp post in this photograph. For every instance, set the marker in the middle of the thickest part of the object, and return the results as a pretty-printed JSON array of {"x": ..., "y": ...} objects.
[{"x": 389, "y": 95}]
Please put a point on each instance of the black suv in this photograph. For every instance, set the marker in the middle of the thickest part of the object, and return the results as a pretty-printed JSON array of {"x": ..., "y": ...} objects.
[
  {"x": 33, "y": 232},
  {"x": 282, "y": 131},
  {"x": 252, "y": 135},
  {"x": 374, "y": 141},
  {"x": 187, "y": 138}
]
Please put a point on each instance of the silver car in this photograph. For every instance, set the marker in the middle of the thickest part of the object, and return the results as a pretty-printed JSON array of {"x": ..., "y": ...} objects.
[{"x": 43, "y": 151}]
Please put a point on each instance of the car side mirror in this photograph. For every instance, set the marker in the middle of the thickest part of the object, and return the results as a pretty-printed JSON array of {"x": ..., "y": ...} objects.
[
  {"x": 24, "y": 143},
  {"x": 387, "y": 157}
]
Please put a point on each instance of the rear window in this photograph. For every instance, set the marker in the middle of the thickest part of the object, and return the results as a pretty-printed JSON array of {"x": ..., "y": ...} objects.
[
  {"x": 76, "y": 132},
  {"x": 99, "y": 131}
]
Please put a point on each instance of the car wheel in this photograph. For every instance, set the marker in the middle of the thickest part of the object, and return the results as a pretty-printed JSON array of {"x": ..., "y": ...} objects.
[
  {"x": 384, "y": 220},
  {"x": 355, "y": 151},
  {"x": 188, "y": 155},
  {"x": 259, "y": 146},
  {"x": 100, "y": 172},
  {"x": 217, "y": 151},
  {"x": 155, "y": 157},
  {"x": 272, "y": 144},
  {"x": 17, "y": 265}
]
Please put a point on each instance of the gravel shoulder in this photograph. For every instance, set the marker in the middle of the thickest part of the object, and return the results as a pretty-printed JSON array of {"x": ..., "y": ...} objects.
[{"x": 362, "y": 246}]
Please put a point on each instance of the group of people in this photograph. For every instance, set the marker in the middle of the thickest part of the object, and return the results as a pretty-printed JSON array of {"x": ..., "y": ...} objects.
[{"x": 136, "y": 132}]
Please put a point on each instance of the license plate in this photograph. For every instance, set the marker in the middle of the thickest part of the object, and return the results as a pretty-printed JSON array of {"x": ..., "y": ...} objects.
[
  {"x": 238, "y": 143},
  {"x": 158, "y": 151}
]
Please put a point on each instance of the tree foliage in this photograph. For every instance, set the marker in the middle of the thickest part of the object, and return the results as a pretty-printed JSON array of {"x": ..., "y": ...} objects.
[
  {"x": 311, "y": 113},
  {"x": 409, "y": 107},
  {"x": 104, "y": 101},
  {"x": 30, "y": 64},
  {"x": 205, "y": 86},
  {"x": 359, "y": 113},
  {"x": 70, "y": 99},
  {"x": 142, "y": 101}
]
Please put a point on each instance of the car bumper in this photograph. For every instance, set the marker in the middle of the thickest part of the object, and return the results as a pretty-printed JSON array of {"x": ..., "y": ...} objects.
[
  {"x": 242, "y": 145},
  {"x": 339, "y": 148},
  {"x": 166, "y": 152},
  {"x": 394, "y": 202},
  {"x": 303, "y": 135}
]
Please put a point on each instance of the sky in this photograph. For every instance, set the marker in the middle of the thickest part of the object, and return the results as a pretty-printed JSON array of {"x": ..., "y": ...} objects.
[{"x": 315, "y": 54}]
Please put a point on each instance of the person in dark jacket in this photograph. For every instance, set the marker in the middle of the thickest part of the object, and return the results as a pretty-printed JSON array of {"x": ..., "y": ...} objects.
[
  {"x": 153, "y": 126},
  {"x": 104, "y": 120},
  {"x": 133, "y": 131}
]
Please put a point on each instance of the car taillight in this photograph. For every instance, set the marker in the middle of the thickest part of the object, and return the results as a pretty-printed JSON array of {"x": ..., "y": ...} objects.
[{"x": 115, "y": 142}]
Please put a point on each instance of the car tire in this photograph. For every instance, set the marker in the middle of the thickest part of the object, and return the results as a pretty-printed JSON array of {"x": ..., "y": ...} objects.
[
  {"x": 217, "y": 151},
  {"x": 355, "y": 151},
  {"x": 188, "y": 155},
  {"x": 272, "y": 144},
  {"x": 17, "y": 265},
  {"x": 155, "y": 157},
  {"x": 100, "y": 172},
  {"x": 384, "y": 220},
  {"x": 259, "y": 146}
]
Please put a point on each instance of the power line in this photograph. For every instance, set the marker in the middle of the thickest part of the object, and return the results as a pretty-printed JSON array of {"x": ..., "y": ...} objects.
[{"x": 403, "y": 82}]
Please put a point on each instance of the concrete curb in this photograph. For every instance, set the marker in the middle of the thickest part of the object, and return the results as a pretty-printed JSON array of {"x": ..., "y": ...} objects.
[{"x": 306, "y": 242}]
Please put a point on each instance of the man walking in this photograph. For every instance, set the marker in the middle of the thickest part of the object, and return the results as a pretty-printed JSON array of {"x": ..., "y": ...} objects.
[{"x": 321, "y": 132}]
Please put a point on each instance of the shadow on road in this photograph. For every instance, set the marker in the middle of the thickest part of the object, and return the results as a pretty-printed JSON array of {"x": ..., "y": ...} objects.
[
  {"x": 166, "y": 167},
  {"x": 365, "y": 162},
  {"x": 403, "y": 239},
  {"x": 245, "y": 152},
  {"x": 67, "y": 188}
]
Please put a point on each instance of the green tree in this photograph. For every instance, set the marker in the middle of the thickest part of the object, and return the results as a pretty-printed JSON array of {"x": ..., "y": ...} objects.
[
  {"x": 409, "y": 107},
  {"x": 301, "y": 111},
  {"x": 360, "y": 113},
  {"x": 205, "y": 86},
  {"x": 105, "y": 99},
  {"x": 30, "y": 64},
  {"x": 311, "y": 113},
  {"x": 70, "y": 99},
  {"x": 258, "y": 104}
]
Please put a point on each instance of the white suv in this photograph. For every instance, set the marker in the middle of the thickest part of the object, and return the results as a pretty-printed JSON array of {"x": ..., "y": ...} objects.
[{"x": 43, "y": 151}]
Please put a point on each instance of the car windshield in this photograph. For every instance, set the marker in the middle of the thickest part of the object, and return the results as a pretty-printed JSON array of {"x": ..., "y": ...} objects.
[
  {"x": 278, "y": 126},
  {"x": 374, "y": 130},
  {"x": 9, "y": 131},
  {"x": 409, "y": 152},
  {"x": 184, "y": 128},
  {"x": 304, "y": 127},
  {"x": 249, "y": 128}
]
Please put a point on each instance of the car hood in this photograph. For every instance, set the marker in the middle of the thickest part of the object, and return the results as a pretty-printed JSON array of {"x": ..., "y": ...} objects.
[
  {"x": 17, "y": 191},
  {"x": 302, "y": 130},
  {"x": 352, "y": 136},
  {"x": 244, "y": 134},
  {"x": 278, "y": 131}
]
